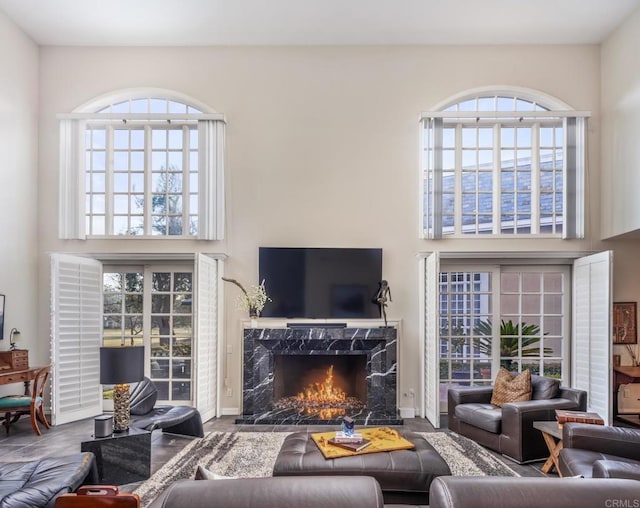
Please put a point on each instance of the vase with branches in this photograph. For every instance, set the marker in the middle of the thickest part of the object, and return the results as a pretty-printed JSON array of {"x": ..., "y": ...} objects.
[
  {"x": 633, "y": 353},
  {"x": 251, "y": 300}
]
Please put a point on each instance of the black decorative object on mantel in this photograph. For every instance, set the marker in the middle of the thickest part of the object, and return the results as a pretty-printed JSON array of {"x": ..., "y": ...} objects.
[{"x": 383, "y": 294}]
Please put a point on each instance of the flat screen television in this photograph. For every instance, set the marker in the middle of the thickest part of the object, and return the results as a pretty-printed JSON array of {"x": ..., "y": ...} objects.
[{"x": 320, "y": 283}]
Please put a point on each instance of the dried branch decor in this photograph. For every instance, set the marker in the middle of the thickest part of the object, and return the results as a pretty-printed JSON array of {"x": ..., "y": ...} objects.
[{"x": 252, "y": 300}]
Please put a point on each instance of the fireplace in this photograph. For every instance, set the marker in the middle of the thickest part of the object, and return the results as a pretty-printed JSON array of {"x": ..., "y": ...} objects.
[
  {"x": 317, "y": 375},
  {"x": 330, "y": 386}
]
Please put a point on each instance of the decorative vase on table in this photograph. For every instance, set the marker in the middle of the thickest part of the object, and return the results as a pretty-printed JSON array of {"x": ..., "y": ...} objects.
[{"x": 253, "y": 316}]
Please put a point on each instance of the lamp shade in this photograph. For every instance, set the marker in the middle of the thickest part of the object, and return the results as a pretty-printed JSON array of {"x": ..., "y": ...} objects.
[{"x": 119, "y": 365}]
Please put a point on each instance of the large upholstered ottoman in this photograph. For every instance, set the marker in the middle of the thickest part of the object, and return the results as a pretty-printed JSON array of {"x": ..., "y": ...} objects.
[{"x": 404, "y": 475}]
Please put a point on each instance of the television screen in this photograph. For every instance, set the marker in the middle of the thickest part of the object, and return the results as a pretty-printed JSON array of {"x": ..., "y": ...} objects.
[{"x": 319, "y": 283}]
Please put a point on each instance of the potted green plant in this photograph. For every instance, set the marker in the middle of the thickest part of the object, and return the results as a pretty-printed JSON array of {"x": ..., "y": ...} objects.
[{"x": 511, "y": 336}]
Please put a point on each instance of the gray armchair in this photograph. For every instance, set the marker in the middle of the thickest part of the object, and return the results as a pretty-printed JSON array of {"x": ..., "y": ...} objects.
[
  {"x": 509, "y": 429},
  {"x": 600, "y": 452}
]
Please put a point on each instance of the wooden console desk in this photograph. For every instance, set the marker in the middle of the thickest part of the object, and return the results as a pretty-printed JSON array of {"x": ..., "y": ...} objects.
[
  {"x": 623, "y": 374},
  {"x": 19, "y": 376}
]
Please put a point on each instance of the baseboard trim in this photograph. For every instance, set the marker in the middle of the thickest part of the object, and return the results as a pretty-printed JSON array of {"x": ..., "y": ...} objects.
[
  {"x": 230, "y": 411},
  {"x": 407, "y": 412}
]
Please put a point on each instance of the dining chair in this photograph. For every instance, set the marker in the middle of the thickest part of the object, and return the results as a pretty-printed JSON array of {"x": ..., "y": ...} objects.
[{"x": 14, "y": 406}]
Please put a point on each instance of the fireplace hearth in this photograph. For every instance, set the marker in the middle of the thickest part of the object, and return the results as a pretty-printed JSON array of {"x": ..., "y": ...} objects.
[{"x": 317, "y": 375}]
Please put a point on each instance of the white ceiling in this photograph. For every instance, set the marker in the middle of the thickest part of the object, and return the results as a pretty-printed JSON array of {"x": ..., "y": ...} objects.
[{"x": 317, "y": 22}]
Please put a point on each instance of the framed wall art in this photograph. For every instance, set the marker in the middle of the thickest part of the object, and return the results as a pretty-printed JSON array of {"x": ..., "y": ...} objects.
[
  {"x": 1, "y": 317},
  {"x": 624, "y": 323}
]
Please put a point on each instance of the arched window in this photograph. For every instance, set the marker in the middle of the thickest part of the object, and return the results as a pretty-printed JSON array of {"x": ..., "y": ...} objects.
[
  {"x": 496, "y": 163},
  {"x": 140, "y": 164}
]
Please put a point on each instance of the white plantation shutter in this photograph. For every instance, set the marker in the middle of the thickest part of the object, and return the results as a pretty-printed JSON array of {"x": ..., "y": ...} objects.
[
  {"x": 208, "y": 272},
  {"x": 71, "y": 185},
  {"x": 592, "y": 331},
  {"x": 76, "y": 327},
  {"x": 431, "y": 360},
  {"x": 211, "y": 180}
]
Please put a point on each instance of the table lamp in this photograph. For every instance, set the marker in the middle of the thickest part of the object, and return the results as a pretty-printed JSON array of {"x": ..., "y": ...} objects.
[
  {"x": 14, "y": 336},
  {"x": 120, "y": 366}
]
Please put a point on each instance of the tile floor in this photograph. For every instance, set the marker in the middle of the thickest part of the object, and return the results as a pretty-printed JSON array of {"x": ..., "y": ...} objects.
[{"x": 23, "y": 444}]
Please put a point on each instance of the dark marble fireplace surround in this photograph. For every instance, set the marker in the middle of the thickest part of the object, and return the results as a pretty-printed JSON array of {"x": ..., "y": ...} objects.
[{"x": 261, "y": 345}]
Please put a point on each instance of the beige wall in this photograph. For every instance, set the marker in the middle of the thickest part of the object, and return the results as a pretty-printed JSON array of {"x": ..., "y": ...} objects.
[
  {"x": 620, "y": 114},
  {"x": 322, "y": 150},
  {"x": 19, "y": 190},
  {"x": 621, "y": 158}
]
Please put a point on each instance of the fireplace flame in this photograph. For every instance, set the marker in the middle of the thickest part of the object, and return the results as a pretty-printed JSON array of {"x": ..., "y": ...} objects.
[
  {"x": 324, "y": 392},
  {"x": 323, "y": 399}
]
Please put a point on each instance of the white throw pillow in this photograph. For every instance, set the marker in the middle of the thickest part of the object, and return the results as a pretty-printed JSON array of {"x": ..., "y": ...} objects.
[{"x": 205, "y": 474}]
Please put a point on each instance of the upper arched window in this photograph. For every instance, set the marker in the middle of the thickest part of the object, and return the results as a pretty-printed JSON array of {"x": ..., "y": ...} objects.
[
  {"x": 497, "y": 163},
  {"x": 146, "y": 165}
]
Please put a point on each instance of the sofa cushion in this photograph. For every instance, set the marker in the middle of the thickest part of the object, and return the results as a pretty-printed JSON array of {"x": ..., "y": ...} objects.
[
  {"x": 618, "y": 468},
  {"x": 544, "y": 388},
  {"x": 38, "y": 482},
  {"x": 278, "y": 492},
  {"x": 574, "y": 461},
  {"x": 511, "y": 388},
  {"x": 484, "y": 416}
]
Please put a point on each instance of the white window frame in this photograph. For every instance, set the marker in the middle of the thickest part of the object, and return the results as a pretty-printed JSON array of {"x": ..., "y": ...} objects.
[
  {"x": 211, "y": 141},
  {"x": 431, "y": 165},
  {"x": 584, "y": 366},
  {"x": 77, "y": 329}
]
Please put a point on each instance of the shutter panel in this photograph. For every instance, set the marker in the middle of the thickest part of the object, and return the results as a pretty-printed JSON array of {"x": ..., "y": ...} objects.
[
  {"x": 432, "y": 164},
  {"x": 574, "y": 177},
  {"x": 76, "y": 325},
  {"x": 592, "y": 331},
  {"x": 71, "y": 185},
  {"x": 208, "y": 331},
  {"x": 211, "y": 180},
  {"x": 431, "y": 370}
]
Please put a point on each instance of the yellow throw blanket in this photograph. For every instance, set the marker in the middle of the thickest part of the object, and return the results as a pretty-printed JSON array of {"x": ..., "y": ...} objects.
[{"x": 383, "y": 439}]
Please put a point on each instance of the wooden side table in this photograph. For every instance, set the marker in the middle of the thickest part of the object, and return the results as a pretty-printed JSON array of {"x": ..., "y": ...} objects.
[{"x": 552, "y": 435}]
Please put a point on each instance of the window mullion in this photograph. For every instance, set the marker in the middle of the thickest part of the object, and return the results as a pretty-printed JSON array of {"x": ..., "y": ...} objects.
[
  {"x": 535, "y": 179},
  {"x": 437, "y": 168},
  {"x": 147, "y": 180},
  {"x": 497, "y": 165},
  {"x": 495, "y": 319},
  {"x": 185, "y": 180},
  {"x": 109, "y": 181},
  {"x": 457, "y": 199},
  {"x": 146, "y": 316}
]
